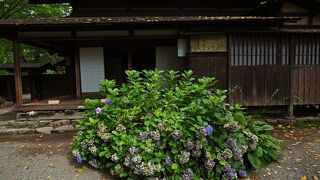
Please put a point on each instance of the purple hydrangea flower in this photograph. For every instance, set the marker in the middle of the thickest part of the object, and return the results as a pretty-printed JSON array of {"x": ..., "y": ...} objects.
[
  {"x": 190, "y": 145},
  {"x": 143, "y": 135},
  {"x": 209, "y": 130},
  {"x": 98, "y": 110},
  {"x": 232, "y": 174},
  {"x": 168, "y": 161},
  {"x": 79, "y": 159},
  {"x": 108, "y": 102},
  {"x": 243, "y": 173},
  {"x": 187, "y": 174},
  {"x": 176, "y": 134}
]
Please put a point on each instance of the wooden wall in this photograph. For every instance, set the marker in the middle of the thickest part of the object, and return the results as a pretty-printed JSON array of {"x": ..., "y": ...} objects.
[
  {"x": 260, "y": 69},
  {"x": 210, "y": 64}
]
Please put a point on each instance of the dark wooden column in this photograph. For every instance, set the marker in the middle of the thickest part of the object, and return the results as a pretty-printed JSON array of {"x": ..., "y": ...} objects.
[
  {"x": 17, "y": 72},
  {"x": 291, "y": 76},
  {"x": 130, "y": 57},
  {"x": 77, "y": 71}
]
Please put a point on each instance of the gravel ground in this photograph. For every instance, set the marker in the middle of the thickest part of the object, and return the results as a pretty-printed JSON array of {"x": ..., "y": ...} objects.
[
  {"x": 300, "y": 158},
  {"x": 46, "y": 157},
  {"x": 42, "y": 157}
]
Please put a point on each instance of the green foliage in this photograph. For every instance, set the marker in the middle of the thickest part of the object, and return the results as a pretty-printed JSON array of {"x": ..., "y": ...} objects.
[
  {"x": 169, "y": 124},
  {"x": 21, "y": 9}
]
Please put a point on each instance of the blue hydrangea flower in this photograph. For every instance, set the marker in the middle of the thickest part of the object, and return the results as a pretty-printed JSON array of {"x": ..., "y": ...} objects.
[
  {"x": 209, "y": 130},
  {"x": 243, "y": 173},
  {"x": 79, "y": 159},
  {"x": 98, "y": 110},
  {"x": 143, "y": 135},
  {"x": 190, "y": 145},
  {"x": 108, "y": 102}
]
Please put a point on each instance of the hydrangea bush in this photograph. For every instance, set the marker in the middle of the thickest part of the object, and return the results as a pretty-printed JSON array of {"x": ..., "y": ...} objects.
[{"x": 173, "y": 126}]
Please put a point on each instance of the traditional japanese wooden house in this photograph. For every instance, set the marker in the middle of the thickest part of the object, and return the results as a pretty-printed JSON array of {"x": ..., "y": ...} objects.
[{"x": 266, "y": 52}]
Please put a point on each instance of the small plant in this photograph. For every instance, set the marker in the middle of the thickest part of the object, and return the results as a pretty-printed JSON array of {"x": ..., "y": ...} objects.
[{"x": 173, "y": 126}]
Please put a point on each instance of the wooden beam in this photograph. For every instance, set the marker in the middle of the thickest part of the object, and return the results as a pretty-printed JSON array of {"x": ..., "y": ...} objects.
[
  {"x": 77, "y": 72},
  {"x": 17, "y": 72}
]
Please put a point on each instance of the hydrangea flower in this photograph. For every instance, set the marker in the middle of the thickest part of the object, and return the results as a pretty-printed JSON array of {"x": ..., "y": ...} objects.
[
  {"x": 184, "y": 157},
  {"x": 143, "y": 135},
  {"x": 232, "y": 126},
  {"x": 116, "y": 170},
  {"x": 106, "y": 137},
  {"x": 232, "y": 174},
  {"x": 209, "y": 130},
  {"x": 98, "y": 110},
  {"x": 133, "y": 150},
  {"x": 79, "y": 158},
  {"x": 187, "y": 174},
  {"x": 176, "y": 134},
  {"x": 168, "y": 161},
  {"x": 136, "y": 159},
  {"x": 75, "y": 152},
  {"x": 226, "y": 154},
  {"x": 93, "y": 163},
  {"x": 243, "y": 173},
  {"x": 210, "y": 165},
  {"x": 190, "y": 145},
  {"x": 127, "y": 161},
  {"x": 108, "y": 102},
  {"x": 93, "y": 149},
  {"x": 146, "y": 169},
  {"x": 161, "y": 126},
  {"x": 121, "y": 128},
  {"x": 206, "y": 131},
  {"x": 155, "y": 135},
  {"x": 114, "y": 157}
]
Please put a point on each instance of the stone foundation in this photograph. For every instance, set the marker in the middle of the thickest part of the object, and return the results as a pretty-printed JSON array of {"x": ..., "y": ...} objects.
[{"x": 43, "y": 122}]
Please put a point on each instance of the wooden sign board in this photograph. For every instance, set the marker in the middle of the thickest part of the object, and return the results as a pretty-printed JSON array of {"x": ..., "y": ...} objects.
[
  {"x": 53, "y": 102},
  {"x": 209, "y": 43}
]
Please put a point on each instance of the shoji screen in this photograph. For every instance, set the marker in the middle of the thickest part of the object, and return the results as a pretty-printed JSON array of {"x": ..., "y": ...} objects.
[{"x": 91, "y": 68}]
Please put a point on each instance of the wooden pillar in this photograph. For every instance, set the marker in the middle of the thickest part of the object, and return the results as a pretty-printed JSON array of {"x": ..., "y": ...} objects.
[
  {"x": 17, "y": 72},
  {"x": 130, "y": 57},
  {"x": 291, "y": 76},
  {"x": 77, "y": 72},
  {"x": 130, "y": 49},
  {"x": 228, "y": 84}
]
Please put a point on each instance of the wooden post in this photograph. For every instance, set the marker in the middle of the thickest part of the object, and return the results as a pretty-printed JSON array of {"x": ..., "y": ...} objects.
[
  {"x": 77, "y": 72},
  {"x": 130, "y": 57},
  {"x": 291, "y": 76},
  {"x": 17, "y": 72},
  {"x": 229, "y": 67}
]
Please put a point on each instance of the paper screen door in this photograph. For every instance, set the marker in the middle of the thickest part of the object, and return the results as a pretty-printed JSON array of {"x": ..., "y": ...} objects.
[{"x": 91, "y": 68}]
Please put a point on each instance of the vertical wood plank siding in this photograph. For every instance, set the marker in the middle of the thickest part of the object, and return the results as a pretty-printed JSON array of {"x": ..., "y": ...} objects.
[
  {"x": 210, "y": 64},
  {"x": 260, "y": 71}
]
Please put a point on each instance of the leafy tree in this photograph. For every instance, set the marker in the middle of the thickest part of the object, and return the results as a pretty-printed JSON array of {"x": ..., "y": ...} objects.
[{"x": 18, "y": 9}]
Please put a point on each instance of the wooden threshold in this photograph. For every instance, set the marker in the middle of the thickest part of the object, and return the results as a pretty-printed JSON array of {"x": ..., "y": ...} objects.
[{"x": 43, "y": 106}]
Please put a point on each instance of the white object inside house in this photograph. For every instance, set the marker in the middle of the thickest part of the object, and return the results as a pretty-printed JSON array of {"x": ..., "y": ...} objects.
[
  {"x": 182, "y": 47},
  {"x": 166, "y": 58},
  {"x": 91, "y": 68}
]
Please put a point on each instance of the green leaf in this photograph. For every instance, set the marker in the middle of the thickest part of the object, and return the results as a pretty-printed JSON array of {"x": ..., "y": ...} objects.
[
  {"x": 174, "y": 151},
  {"x": 174, "y": 166},
  {"x": 258, "y": 151},
  {"x": 124, "y": 174},
  {"x": 254, "y": 160},
  {"x": 102, "y": 153}
]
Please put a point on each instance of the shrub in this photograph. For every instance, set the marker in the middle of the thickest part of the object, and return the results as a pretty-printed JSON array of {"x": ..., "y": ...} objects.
[{"x": 170, "y": 125}]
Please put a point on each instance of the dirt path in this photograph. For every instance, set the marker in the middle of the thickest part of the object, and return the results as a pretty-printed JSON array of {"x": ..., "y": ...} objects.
[
  {"x": 300, "y": 157},
  {"x": 41, "y": 157},
  {"x": 46, "y": 157}
]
